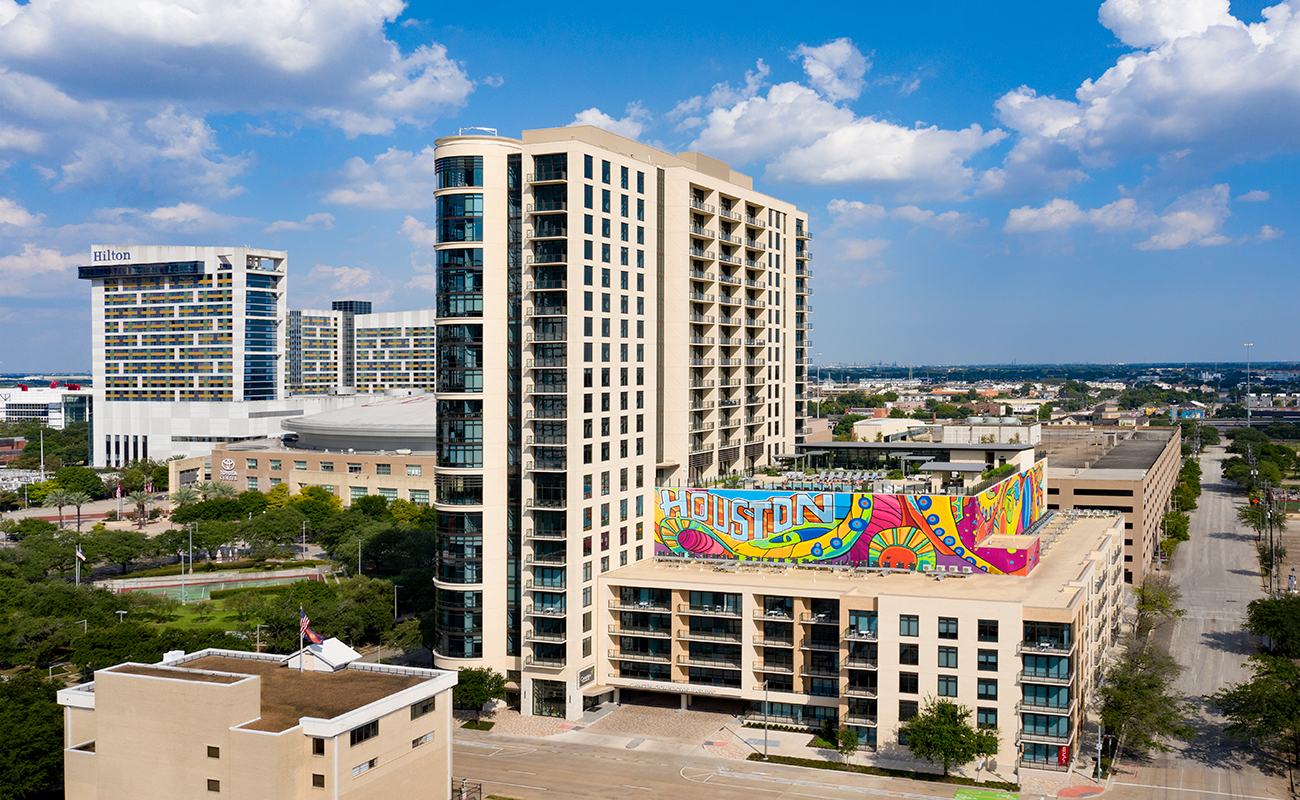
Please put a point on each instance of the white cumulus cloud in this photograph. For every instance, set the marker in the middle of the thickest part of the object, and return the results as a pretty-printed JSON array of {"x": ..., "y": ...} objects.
[
  {"x": 395, "y": 179},
  {"x": 855, "y": 212},
  {"x": 835, "y": 69},
  {"x": 12, "y": 213},
  {"x": 631, "y": 124},
  {"x": 1253, "y": 196},
  {"x": 312, "y": 222},
  {"x": 1195, "y": 218},
  {"x": 36, "y": 272}
]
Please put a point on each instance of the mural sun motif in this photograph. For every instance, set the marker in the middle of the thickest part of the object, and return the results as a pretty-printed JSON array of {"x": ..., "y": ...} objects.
[{"x": 907, "y": 548}]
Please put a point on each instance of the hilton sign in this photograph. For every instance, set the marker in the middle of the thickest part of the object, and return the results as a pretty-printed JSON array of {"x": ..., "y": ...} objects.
[{"x": 109, "y": 255}]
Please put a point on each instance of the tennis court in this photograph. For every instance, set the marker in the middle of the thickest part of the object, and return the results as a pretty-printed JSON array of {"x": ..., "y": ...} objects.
[{"x": 197, "y": 589}]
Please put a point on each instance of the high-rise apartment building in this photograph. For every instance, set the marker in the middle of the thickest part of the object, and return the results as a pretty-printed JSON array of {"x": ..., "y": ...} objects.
[
  {"x": 351, "y": 348},
  {"x": 610, "y": 317}
]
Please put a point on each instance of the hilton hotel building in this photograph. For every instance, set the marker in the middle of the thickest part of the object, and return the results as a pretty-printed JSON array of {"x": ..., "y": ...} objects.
[{"x": 610, "y": 317}]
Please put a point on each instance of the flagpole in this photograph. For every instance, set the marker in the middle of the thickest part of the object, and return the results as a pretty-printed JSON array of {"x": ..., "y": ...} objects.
[{"x": 302, "y": 650}]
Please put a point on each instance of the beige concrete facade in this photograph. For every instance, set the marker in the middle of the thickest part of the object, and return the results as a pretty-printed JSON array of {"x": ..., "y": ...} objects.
[
  {"x": 232, "y": 724},
  {"x": 265, "y": 463},
  {"x": 864, "y": 646},
  {"x": 610, "y": 316},
  {"x": 1133, "y": 475}
]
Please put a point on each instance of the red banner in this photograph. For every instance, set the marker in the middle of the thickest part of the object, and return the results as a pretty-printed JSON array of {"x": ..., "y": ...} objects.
[{"x": 1063, "y": 756}]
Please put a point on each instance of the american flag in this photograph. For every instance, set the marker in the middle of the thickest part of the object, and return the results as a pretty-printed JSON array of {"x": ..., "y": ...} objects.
[{"x": 303, "y": 621}]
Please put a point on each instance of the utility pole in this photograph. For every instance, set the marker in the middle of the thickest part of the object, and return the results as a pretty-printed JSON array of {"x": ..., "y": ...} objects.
[{"x": 1248, "y": 346}]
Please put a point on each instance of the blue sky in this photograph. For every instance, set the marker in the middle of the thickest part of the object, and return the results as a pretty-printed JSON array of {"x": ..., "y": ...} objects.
[{"x": 987, "y": 182}]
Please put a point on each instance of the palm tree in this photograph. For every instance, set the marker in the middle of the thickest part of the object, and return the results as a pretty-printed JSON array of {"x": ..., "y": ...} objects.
[
  {"x": 59, "y": 498},
  {"x": 78, "y": 499},
  {"x": 140, "y": 499},
  {"x": 218, "y": 489},
  {"x": 184, "y": 496},
  {"x": 204, "y": 489}
]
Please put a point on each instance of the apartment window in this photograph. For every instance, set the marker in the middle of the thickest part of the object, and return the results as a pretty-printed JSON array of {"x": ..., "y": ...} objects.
[
  {"x": 604, "y": 172},
  {"x": 909, "y": 654},
  {"x": 317, "y": 746},
  {"x": 638, "y": 553},
  {"x": 623, "y": 177},
  {"x": 988, "y": 630},
  {"x": 947, "y": 658},
  {"x": 588, "y": 248},
  {"x": 252, "y": 483},
  {"x": 587, "y": 272},
  {"x": 327, "y": 466},
  {"x": 622, "y": 558},
  {"x": 586, "y": 622},
  {"x": 604, "y": 228},
  {"x": 300, "y": 466},
  {"x": 588, "y": 300},
  {"x": 317, "y": 780},
  {"x": 947, "y": 628},
  {"x": 909, "y": 683},
  {"x": 604, "y": 563},
  {"x": 907, "y": 709},
  {"x": 586, "y": 597},
  {"x": 368, "y": 731},
  {"x": 588, "y": 223},
  {"x": 276, "y": 482},
  {"x": 423, "y": 707},
  {"x": 586, "y": 196},
  {"x": 251, "y": 462},
  {"x": 986, "y": 689},
  {"x": 586, "y": 566},
  {"x": 586, "y": 646},
  {"x": 586, "y": 454},
  {"x": 947, "y": 685},
  {"x": 987, "y": 660},
  {"x": 214, "y": 785},
  {"x": 362, "y": 769},
  {"x": 909, "y": 625},
  {"x": 275, "y": 464},
  {"x": 604, "y": 200},
  {"x": 383, "y": 469},
  {"x": 413, "y": 470},
  {"x": 587, "y": 166},
  {"x": 354, "y": 469},
  {"x": 640, "y": 182},
  {"x": 986, "y": 717},
  {"x": 214, "y": 752},
  {"x": 640, "y": 470}
]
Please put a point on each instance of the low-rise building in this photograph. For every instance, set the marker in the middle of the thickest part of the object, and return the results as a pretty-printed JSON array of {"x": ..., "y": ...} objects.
[
  {"x": 983, "y": 600},
  {"x": 244, "y": 725}
]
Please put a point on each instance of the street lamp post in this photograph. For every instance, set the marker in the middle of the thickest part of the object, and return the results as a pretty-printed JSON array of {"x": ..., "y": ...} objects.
[
  {"x": 259, "y": 636},
  {"x": 396, "y": 586},
  {"x": 767, "y": 707}
]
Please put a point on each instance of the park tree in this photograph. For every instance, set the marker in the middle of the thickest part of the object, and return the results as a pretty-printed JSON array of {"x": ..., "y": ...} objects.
[
  {"x": 184, "y": 497},
  {"x": 81, "y": 479},
  {"x": 78, "y": 499},
  {"x": 476, "y": 687},
  {"x": 1266, "y": 708},
  {"x": 118, "y": 546},
  {"x": 373, "y": 506},
  {"x": 1277, "y": 618},
  {"x": 1138, "y": 697},
  {"x": 943, "y": 734},
  {"x": 278, "y": 496},
  {"x": 846, "y": 743},
  {"x": 1158, "y": 600},
  {"x": 31, "y": 736}
]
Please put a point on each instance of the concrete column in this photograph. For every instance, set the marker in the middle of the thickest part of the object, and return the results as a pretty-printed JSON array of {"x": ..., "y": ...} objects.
[{"x": 685, "y": 701}]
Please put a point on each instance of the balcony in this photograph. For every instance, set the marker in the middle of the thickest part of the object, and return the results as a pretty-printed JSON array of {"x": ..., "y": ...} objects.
[
  {"x": 702, "y": 384},
  {"x": 858, "y": 691},
  {"x": 709, "y": 661},
  {"x": 546, "y": 439},
  {"x": 755, "y": 342},
  {"x": 705, "y": 232},
  {"x": 546, "y": 559},
  {"x": 707, "y": 341},
  {"x": 729, "y": 280},
  {"x": 546, "y": 286},
  {"x": 700, "y": 205},
  {"x": 775, "y": 667},
  {"x": 819, "y": 619},
  {"x": 773, "y": 641},
  {"x": 803, "y": 326},
  {"x": 653, "y": 633},
  {"x": 698, "y": 253},
  {"x": 547, "y": 258},
  {"x": 1045, "y": 647},
  {"x": 755, "y": 245},
  {"x": 803, "y": 270},
  {"x": 701, "y": 427},
  {"x": 547, "y": 207},
  {"x": 756, "y": 303},
  {"x": 700, "y": 297},
  {"x": 860, "y": 719},
  {"x": 701, "y": 405},
  {"x": 556, "y": 587},
  {"x": 546, "y": 311},
  {"x": 730, "y": 300},
  {"x": 726, "y": 259},
  {"x": 1042, "y": 677},
  {"x": 774, "y": 614},
  {"x": 547, "y": 414},
  {"x": 652, "y": 658},
  {"x": 725, "y": 320},
  {"x": 640, "y": 605},
  {"x": 826, "y": 646},
  {"x": 703, "y": 319},
  {"x": 819, "y": 672},
  {"x": 544, "y": 611},
  {"x": 754, "y": 400},
  {"x": 546, "y": 336},
  {"x": 802, "y": 233},
  {"x": 804, "y": 254},
  {"x": 755, "y": 221},
  {"x": 542, "y": 636},
  {"x": 546, "y": 363},
  {"x": 726, "y": 237},
  {"x": 687, "y": 635},
  {"x": 545, "y": 502},
  {"x": 729, "y": 423},
  {"x": 546, "y": 534},
  {"x": 729, "y": 214},
  {"x": 708, "y": 611},
  {"x": 1044, "y": 738},
  {"x": 1032, "y": 707},
  {"x": 547, "y": 388},
  {"x": 549, "y": 176},
  {"x": 803, "y": 431},
  {"x": 538, "y": 662},
  {"x": 860, "y": 662}
]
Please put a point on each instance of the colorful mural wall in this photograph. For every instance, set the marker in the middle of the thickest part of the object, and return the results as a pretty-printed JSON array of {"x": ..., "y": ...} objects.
[{"x": 896, "y": 530}]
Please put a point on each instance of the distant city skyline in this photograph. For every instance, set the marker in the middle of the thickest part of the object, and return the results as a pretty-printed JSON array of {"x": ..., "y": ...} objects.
[{"x": 1055, "y": 184}]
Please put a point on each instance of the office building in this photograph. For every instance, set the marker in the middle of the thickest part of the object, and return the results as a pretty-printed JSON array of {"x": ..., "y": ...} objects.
[
  {"x": 247, "y": 725},
  {"x": 800, "y": 606},
  {"x": 610, "y": 317},
  {"x": 1130, "y": 472},
  {"x": 53, "y": 407},
  {"x": 350, "y": 349}
]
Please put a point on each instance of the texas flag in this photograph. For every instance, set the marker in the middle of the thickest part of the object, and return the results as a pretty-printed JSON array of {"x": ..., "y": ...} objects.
[
  {"x": 119, "y": 488},
  {"x": 80, "y": 556},
  {"x": 304, "y": 628}
]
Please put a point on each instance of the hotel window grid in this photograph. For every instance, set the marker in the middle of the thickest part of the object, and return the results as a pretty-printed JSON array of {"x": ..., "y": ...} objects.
[
  {"x": 909, "y": 625},
  {"x": 947, "y": 628}
]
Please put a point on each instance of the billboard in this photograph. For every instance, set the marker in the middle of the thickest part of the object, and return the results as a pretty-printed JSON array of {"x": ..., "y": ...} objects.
[{"x": 896, "y": 530}]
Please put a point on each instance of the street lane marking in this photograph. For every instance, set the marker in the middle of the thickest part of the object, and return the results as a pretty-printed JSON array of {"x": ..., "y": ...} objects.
[
  {"x": 630, "y": 786},
  {"x": 1202, "y": 791},
  {"x": 503, "y": 783},
  {"x": 520, "y": 772}
]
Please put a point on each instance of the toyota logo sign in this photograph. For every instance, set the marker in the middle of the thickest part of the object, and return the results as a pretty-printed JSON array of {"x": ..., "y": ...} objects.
[{"x": 228, "y": 464}]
